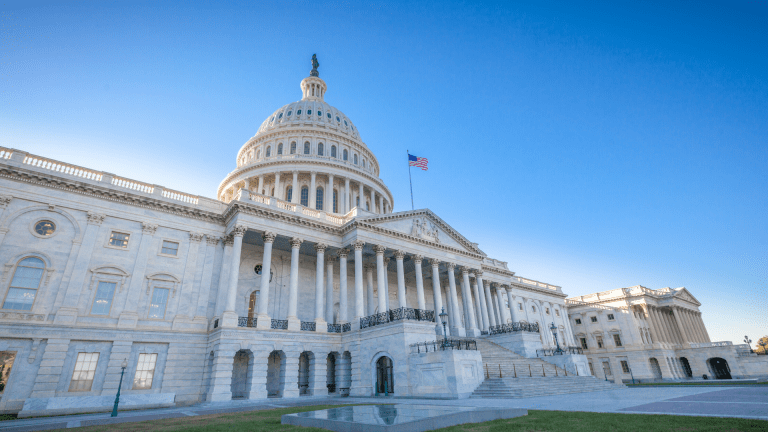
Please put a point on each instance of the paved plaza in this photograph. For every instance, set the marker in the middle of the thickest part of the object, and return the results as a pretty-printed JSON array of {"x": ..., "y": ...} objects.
[{"x": 745, "y": 402}]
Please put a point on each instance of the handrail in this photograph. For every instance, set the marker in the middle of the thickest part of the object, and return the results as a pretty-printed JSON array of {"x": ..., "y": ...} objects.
[{"x": 444, "y": 344}]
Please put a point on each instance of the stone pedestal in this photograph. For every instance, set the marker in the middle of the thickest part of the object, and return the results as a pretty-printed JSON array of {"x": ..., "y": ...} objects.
[
  {"x": 452, "y": 374},
  {"x": 576, "y": 364},
  {"x": 522, "y": 343},
  {"x": 229, "y": 320}
]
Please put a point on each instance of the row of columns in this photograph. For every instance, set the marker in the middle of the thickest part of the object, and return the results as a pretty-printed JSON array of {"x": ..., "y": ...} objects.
[{"x": 676, "y": 325}]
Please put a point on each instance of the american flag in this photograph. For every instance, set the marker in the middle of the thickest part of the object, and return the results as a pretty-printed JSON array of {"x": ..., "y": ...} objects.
[{"x": 417, "y": 161}]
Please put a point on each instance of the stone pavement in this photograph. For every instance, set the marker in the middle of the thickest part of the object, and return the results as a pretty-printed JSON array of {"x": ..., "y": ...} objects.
[{"x": 745, "y": 402}]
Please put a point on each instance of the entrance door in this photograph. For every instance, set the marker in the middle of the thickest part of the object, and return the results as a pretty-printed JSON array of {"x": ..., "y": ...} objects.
[
  {"x": 384, "y": 381},
  {"x": 720, "y": 368}
]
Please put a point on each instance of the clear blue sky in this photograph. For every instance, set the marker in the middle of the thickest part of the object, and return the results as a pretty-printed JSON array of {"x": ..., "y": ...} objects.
[{"x": 590, "y": 145}]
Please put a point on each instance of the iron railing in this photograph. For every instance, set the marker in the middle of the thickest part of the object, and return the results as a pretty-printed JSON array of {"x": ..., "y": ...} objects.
[
  {"x": 346, "y": 327},
  {"x": 444, "y": 344},
  {"x": 334, "y": 328},
  {"x": 425, "y": 315},
  {"x": 398, "y": 314},
  {"x": 279, "y": 324},
  {"x": 375, "y": 319},
  {"x": 514, "y": 328},
  {"x": 562, "y": 351},
  {"x": 308, "y": 326},
  {"x": 246, "y": 322}
]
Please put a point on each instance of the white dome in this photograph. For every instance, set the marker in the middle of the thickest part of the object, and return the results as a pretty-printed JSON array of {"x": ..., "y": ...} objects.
[{"x": 317, "y": 112}]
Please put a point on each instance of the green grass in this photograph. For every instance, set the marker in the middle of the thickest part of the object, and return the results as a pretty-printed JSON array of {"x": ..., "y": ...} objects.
[
  {"x": 535, "y": 421},
  {"x": 713, "y": 383}
]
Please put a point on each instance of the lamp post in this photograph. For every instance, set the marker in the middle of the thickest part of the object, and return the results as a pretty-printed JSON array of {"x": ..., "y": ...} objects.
[
  {"x": 553, "y": 328},
  {"x": 748, "y": 341},
  {"x": 762, "y": 343},
  {"x": 443, "y": 316},
  {"x": 119, "y": 386},
  {"x": 632, "y": 375}
]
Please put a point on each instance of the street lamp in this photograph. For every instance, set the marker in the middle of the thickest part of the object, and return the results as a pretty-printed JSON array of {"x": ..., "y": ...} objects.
[
  {"x": 119, "y": 386},
  {"x": 443, "y": 316},
  {"x": 553, "y": 328},
  {"x": 748, "y": 341}
]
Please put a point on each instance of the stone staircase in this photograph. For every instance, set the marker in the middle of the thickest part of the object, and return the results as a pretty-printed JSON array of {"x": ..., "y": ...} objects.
[{"x": 509, "y": 375}]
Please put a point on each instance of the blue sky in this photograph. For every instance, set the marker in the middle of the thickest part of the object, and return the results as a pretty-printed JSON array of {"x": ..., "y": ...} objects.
[{"x": 591, "y": 145}]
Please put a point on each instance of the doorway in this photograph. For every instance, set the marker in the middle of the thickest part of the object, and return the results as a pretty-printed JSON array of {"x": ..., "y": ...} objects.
[
  {"x": 384, "y": 381},
  {"x": 719, "y": 368}
]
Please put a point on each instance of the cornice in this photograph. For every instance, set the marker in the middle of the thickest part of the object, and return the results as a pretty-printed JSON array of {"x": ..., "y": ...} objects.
[
  {"x": 538, "y": 290},
  {"x": 236, "y": 207},
  {"x": 502, "y": 272},
  {"x": 123, "y": 197}
]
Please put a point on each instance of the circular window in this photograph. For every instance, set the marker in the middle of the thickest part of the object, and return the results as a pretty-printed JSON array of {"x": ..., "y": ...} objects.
[
  {"x": 338, "y": 119},
  {"x": 257, "y": 269},
  {"x": 329, "y": 115},
  {"x": 309, "y": 112},
  {"x": 298, "y": 112},
  {"x": 290, "y": 112},
  {"x": 45, "y": 228},
  {"x": 320, "y": 113}
]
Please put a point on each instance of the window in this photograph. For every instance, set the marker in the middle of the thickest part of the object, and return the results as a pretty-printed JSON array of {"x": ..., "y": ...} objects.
[
  {"x": 293, "y": 148},
  {"x": 269, "y": 152},
  {"x": 305, "y": 196},
  {"x": 578, "y": 320},
  {"x": 85, "y": 369},
  {"x": 358, "y": 202},
  {"x": 258, "y": 153},
  {"x": 533, "y": 308},
  {"x": 593, "y": 319},
  {"x": 319, "y": 113},
  {"x": 355, "y": 159},
  {"x": 103, "y": 300},
  {"x": 145, "y": 371},
  {"x": 333, "y": 151},
  {"x": 617, "y": 340},
  {"x": 298, "y": 112},
  {"x": 599, "y": 341},
  {"x": 170, "y": 248},
  {"x": 289, "y": 113},
  {"x": 335, "y": 202},
  {"x": 119, "y": 240},
  {"x": 591, "y": 369},
  {"x": 625, "y": 366},
  {"x": 557, "y": 312},
  {"x": 289, "y": 194},
  {"x": 306, "y": 148},
  {"x": 329, "y": 115},
  {"x": 610, "y": 317},
  {"x": 320, "y": 149},
  {"x": 345, "y": 155},
  {"x": 309, "y": 112},
  {"x": 338, "y": 119},
  {"x": 583, "y": 343},
  {"x": 546, "y": 310},
  {"x": 26, "y": 280},
  {"x": 280, "y": 148},
  {"x": 45, "y": 228},
  {"x": 345, "y": 123},
  {"x": 157, "y": 305},
  {"x": 519, "y": 306},
  {"x": 280, "y": 116},
  {"x": 319, "y": 199}
]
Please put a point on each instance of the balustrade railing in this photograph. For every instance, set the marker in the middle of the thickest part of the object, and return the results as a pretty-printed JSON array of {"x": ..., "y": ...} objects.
[
  {"x": 444, "y": 344},
  {"x": 308, "y": 326},
  {"x": 5, "y": 153},
  {"x": 562, "y": 351},
  {"x": 61, "y": 167},
  {"x": 246, "y": 322},
  {"x": 514, "y": 327},
  {"x": 180, "y": 196},
  {"x": 133, "y": 185},
  {"x": 279, "y": 324}
]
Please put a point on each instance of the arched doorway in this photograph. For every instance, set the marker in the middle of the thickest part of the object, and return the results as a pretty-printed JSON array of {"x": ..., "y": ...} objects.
[
  {"x": 719, "y": 368},
  {"x": 275, "y": 374},
  {"x": 304, "y": 361},
  {"x": 240, "y": 375},
  {"x": 686, "y": 367},
  {"x": 384, "y": 380},
  {"x": 330, "y": 374},
  {"x": 655, "y": 368}
]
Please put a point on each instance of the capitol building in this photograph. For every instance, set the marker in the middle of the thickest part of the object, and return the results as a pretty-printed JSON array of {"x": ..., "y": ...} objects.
[{"x": 299, "y": 280}]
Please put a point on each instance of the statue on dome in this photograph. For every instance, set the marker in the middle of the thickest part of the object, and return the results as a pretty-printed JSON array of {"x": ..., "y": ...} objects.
[{"x": 315, "y": 64}]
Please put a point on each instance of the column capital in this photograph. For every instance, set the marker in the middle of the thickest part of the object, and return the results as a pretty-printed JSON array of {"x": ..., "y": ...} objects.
[
  {"x": 369, "y": 266},
  {"x": 358, "y": 245},
  {"x": 320, "y": 247},
  {"x": 379, "y": 249},
  {"x": 95, "y": 218},
  {"x": 228, "y": 240},
  {"x": 418, "y": 258},
  {"x": 330, "y": 259},
  {"x": 478, "y": 272},
  {"x": 386, "y": 261},
  {"x": 5, "y": 200},
  {"x": 238, "y": 231},
  {"x": 399, "y": 255},
  {"x": 343, "y": 253},
  {"x": 451, "y": 266},
  {"x": 148, "y": 228},
  {"x": 435, "y": 262},
  {"x": 465, "y": 270},
  {"x": 296, "y": 242},
  {"x": 195, "y": 237},
  {"x": 212, "y": 240},
  {"x": 313, "y": 173},
  {"x": 295, "y": 172},
  {"x": 268, "y": 237}
]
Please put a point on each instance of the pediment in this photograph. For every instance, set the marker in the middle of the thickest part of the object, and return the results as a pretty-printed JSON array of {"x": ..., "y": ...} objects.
[
  {"x": 424, "y": 225},
  {"x": 683, "y": 294}
]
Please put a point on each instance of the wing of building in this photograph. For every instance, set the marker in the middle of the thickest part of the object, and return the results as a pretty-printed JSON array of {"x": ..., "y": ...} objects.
[{"x": 297, "y": 280}]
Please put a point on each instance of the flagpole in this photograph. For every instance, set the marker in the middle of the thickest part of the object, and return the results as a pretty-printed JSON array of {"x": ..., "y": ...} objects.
[{"x": 409, "y": 177}]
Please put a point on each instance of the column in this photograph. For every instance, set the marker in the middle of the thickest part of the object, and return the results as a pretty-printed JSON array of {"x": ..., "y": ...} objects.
[
  {"x": 688, "y": 330},
  {"x": 496, "y": 311},
  {"x": 437, "y": 295},
  {"x": 651, "y": 326},
  {"x": 671, "y": 327},
  {"x": 473, "y": 330},
  {"x": 482, "y": 319},
  {"x": 330, "y": 262},
  {"x": 342, "y": 254},
  {"x": 381, "y": 204},
  {"x": 373, "y": 201},
  {"x": 419, "y": 282},
  {"x": 667, "y": 327},
  {"x": 703, "y": 328},
  {"x": 207, "y": 277},
  {"x": 386, "y": 283},
  {"x": 359, "y": 301},
  {"x": 186, "y": 295},
  {"x": 278, "y": 195},
  {"x": 226, "y": 262},
  {"x": 399, "y": 255},
  {"x": 380, "y": 280},
  {"x": 489, "y": 302},
  {"x": 694, "y": 325},
  {"x": 481, "y": 299},
  {"x": 261, "y": 185},
  {"x": 513, "y": 314},
  {"x": 320, "y": 323},
  {"x": 689, "y": 322},
  {"x": 680, "y": 326},
  {"x": 328, "y": 201},
  {"x": 295, "y": 189},
  {"x": 458, "y": 327},
  {"x": 369, "y": 268},
  {"x": 294, "y": 323},
  {"x": 230, "y": 314},
  {"x": 503, "y": 309},
  {"x": 657, "y": 325},
  {"x": 264, "y": 321},
  {"x": 312, "y": 190},
  {"x": 360, "y": 195},
  {"x": 347, "y": 208},
  {"x": 449, "y": 309}
]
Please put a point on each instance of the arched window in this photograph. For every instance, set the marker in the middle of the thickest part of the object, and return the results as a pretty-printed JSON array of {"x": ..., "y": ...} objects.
[
  {"x": 355, "y": 160},
  {"x": 333, "y": 151},
  {"x": 280, "y": 148},
  {"x": 289, "y": 193},
  {"x": 293, "y": 147},
  {"x": 306, "y": 147},
  {"x": 319, "y": 199},
  {"x": 335, "y": 201},
  {"x": 368, "y": 205},
  {"x": 346, "y": 155},
  {"x": 320, "y": 149},
  {"x": 363, "y": 162},
  {"x": 273, "y": 192},
  {"x": 24, "y": 284},
  {"x": 305, "y": 196},
  {"x": 358, "y": 202},
  {"x": 269, "y": 152}
]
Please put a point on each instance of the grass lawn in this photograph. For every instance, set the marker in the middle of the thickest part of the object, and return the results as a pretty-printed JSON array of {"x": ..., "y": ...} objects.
[{"x": 535, "y": 421}]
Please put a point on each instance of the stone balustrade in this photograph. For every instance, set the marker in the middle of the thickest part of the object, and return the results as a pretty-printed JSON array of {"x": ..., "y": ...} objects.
[
  {"x": 246, "y": 195},
  {"x": 530, "y": 282}
]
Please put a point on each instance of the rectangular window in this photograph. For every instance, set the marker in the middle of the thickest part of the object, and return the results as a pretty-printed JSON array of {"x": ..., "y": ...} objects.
[
  {"x": 593, "y": 319},
  {"x": 617, "y": 340},
  {"x": 584, "y": 343},
  {"x": 578, "y": 320},
  {"x": 169, "y": 248},
  {"x": 85, "y": 369},
  {"x": 591, "y": 369},
  {"x": 625, "y": 366},
  {"x": 546, "y": 310},
  {"x": 120, "y": 240},
  {"x": 557, "y": 312},
  {"x": 103, "y": 301},
  {"x": 599, "y": 341},
  {"x": 145, "y": 371},
  {"x": 519, "y": 306},
  {"x": 157, "y": 306},
  {"x": 610, "y": 317}
]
